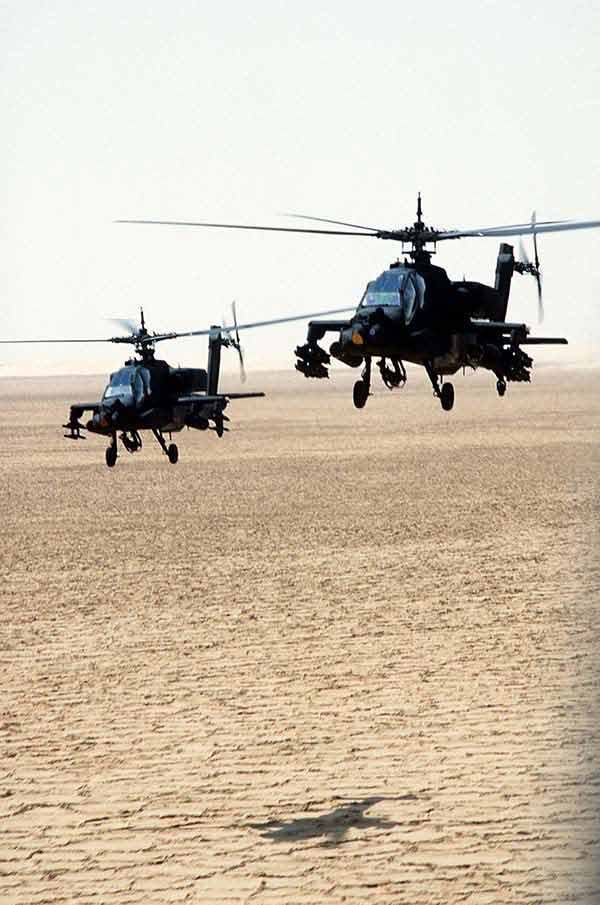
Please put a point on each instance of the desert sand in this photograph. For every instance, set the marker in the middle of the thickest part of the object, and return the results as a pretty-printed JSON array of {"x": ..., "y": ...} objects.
[{"x": 336, "y": 656}]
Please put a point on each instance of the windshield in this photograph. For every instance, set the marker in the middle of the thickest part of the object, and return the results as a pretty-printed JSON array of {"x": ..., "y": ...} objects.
[
  {"x": 121, "y": 383},
  {"x": 385, "y": 290},
  {"x": 400, "y": 287}
]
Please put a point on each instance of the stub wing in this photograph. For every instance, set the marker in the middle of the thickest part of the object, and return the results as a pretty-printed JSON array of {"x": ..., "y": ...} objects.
[
  {"x": 78, "y": 408},
  {"x": 329, "y": 326},
  {"x": 200, "y": 399},
  {"x": 73, "y": 425},
  {"x": 518, "y": 333}
]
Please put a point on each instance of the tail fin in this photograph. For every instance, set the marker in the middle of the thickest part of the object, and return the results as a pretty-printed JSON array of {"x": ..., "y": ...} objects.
[
  {"x": 504, "y": 272},
  {"x": 214, "y": 360}
]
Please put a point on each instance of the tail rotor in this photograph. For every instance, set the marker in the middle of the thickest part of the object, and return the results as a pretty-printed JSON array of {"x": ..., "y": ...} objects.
[
  {"x": 536, "y": 271},
  {"x": 525, "y": 265},
  {"x": 237, "y": 345}
]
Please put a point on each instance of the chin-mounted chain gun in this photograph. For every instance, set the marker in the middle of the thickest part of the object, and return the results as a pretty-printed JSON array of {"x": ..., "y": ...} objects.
[
  {"x": 312, "y": 360},
  {"x": 393, "y": 377},
  {"x": 73, "y": 425}
]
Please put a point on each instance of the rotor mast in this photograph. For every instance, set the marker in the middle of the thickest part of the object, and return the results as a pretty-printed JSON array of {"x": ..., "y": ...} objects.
[
  {"x": 419, "y": 236},
  {"x": 143, "y": 342}
]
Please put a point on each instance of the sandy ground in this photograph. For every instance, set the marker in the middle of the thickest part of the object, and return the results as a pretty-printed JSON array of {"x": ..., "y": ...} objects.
[{"x": 337, "y": 656}]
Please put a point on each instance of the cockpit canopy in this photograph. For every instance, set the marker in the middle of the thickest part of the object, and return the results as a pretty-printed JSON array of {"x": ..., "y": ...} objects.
[
  {"x": 129, "y": 384},
  {"x": 398, "y": 287}
]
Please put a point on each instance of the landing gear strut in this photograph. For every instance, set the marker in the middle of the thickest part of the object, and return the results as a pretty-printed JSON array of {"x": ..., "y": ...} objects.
[
  {"x": 360, "y": 392},
  {"x": 443, "y": 391},
  {"x": 170, "y": 451}
]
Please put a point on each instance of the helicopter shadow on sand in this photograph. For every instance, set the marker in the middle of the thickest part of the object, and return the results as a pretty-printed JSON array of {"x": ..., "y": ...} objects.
[{"x": 333, "y": 825}]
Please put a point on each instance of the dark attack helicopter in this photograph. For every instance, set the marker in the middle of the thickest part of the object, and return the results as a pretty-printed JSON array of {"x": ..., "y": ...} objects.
[
  {"x": 149, "y": 394},
  {"x": 413, "y": 312}
]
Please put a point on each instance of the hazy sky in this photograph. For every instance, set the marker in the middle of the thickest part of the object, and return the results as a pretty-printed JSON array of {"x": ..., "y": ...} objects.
[{"x": 237, "y": 111}]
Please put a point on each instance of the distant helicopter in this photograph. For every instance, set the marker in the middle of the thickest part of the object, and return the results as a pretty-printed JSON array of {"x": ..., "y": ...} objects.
[
  {"x": 413, "y": 312},
  {"x": 149, "y": 394}
]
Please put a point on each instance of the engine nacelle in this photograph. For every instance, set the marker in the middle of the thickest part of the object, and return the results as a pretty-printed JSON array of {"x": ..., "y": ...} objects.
[{"x": 188, "y": 380}]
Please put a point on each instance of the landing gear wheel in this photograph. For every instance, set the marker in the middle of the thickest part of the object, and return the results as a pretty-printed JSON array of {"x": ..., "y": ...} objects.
[
  {"x": 111, "y": 455},
  {"x": 447, "y": 396},
  {"x": 360, "y": 393},
  {"x": 172, "y": 453},
  {"x": 501, "y": 387}
]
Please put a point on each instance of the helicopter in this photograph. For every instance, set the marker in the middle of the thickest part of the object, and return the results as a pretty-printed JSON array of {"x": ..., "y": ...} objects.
[
  {"x": 148, "y": 394},
  {"x": 413, "y": 312}
]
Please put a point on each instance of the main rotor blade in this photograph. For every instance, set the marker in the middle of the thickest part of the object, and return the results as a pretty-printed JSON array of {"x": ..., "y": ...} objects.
[
  {"x": 514, "y": 227},
  {"x": 374, "y": 229},
  {"x": 250, "y": 326},
  {"x": 7, "y": 342},
  {"x": 129, "y": 339},
  {"x": 295, "y": 317},
  {"x": 273, "y": 229},
  {"x": 522, "y": 229},
  {"x": 159, "y": 337},
  {"x": 126, "y": 323}
]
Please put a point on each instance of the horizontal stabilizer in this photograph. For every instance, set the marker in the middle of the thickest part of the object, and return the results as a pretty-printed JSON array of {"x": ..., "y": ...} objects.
[
  {"x": 544, "y": 340},
  {"x": 243, "y": 395}
]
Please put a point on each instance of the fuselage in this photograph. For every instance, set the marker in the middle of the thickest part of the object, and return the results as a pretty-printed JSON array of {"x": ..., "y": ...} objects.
[
  {"x": 417, "y": 314},
  {"x": 143, "y": 395}
]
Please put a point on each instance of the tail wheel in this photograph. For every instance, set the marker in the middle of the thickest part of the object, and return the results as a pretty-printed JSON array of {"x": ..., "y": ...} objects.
[
  {"x": 447, "y": 396},
  {"x": 360, "y": 393},
  {"x": 172, "y": 453},
  {"x": 111, "y": 455},
  {"x": 501, "y": 387}
]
